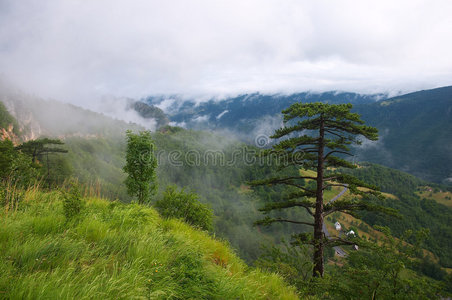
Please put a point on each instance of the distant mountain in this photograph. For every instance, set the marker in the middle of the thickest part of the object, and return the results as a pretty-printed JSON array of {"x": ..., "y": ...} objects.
[
  {"x": 415, "y": 129},
  {"x": 416, "y": 133},
  {"x": 244, "y": 113}
]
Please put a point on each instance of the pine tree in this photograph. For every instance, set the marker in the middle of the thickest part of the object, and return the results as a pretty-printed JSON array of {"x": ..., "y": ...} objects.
[{"x": 316, "y": 137}]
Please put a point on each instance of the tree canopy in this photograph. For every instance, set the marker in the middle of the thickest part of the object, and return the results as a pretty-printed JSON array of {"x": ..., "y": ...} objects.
[{"x": 141, "y": 165}]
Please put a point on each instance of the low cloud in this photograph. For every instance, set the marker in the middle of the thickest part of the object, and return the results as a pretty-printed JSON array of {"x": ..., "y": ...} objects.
[{"x": 80, "y": 51}]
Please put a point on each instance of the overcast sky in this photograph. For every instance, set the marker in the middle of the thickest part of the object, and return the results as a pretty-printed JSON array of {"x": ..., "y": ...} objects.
[{"x": 82, "y": 50}]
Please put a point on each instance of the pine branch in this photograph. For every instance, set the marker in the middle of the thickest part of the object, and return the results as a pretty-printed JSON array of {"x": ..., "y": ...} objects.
[
  {"x": 267, "y": 221},
  {"x": 336, "y": 151},
  {"x": 286, "y": 181},
  {"x": 337, "y": 241},
  {"x": 288, "y": 204}
]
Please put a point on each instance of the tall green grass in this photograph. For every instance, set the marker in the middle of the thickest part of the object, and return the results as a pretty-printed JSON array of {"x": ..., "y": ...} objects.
[{"x": 117, "y": 251}]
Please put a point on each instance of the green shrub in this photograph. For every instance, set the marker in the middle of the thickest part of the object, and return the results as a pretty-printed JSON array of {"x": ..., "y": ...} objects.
[
  {"x": 72, "y": 201},
  {"x": 185, "y": 206}
]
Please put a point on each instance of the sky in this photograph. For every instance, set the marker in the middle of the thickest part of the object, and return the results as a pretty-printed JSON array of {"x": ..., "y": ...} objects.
[{"x": 81, "y": 51}]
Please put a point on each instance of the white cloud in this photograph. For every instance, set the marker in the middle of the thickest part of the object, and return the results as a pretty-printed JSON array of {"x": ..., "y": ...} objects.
[
  {"x": 222, "y": 114},
  {"x": 201, "y": 119},
  {"x": 79, "y": 51}
]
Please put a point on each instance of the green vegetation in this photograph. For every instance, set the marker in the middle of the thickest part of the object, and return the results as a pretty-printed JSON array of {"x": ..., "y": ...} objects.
[
  {"x": 72, "y": 201},
  {"x": 39, "y": 148},
  {"x": 383, "y": 270},
  {"x": 185, "y": 206},
  {"x": 416, "y": 212},
  {"x": 441, "y": 196},
  {"x": 140, "y": 166},
  {"x": 98, "y": 162},
  {"x": 39, "y": 151},
  {"x": 15, "y": 166},
  {"x": 118, "y": 251},
  {"x": 380, "y": 271}
]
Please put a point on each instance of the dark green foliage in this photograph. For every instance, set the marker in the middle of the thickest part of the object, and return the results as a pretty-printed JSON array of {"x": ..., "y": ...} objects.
[
  {"x": 72, "y": 201},
  {"x": 431, "y": 269},
  {"x": 54, "y": 169},
  {"x": 376, "y": 271},
  {"x": 141, "y": 163},
  {"x": 15, "y": 166},
  {"x": 37, "y": 149},
  {"x": 380, "y": 272},
  {"x": 186, "y": 206}
]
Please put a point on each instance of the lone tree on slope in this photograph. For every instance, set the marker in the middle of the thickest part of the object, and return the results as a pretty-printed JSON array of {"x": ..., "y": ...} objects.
[
  {"x": 141, "y": 165},
  {"x": 312, "y": 138}
]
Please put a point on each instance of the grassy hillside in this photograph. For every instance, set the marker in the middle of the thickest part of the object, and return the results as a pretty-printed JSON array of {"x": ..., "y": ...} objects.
[
  {"x": 118, "y": 251},
  {"x": 441, "y": 196}
]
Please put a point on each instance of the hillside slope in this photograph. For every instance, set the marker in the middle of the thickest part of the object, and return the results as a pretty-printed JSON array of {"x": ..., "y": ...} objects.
[
  {"x": 416, "y": 133},
  {"x": 118, "y": 251}
]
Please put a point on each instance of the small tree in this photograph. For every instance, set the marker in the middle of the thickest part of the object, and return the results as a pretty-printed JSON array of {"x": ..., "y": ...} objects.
[
  {"x": 185, "y": 206},
  {"x": 141, "y": 165},
  {"x": 314, "y": 135},
  {"x": 72, "y": 201}
]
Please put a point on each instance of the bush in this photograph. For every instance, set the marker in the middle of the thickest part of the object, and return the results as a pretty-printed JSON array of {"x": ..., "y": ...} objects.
[
  {"x": 72, "y": 201},
  {"x": 185, "y": 206}
]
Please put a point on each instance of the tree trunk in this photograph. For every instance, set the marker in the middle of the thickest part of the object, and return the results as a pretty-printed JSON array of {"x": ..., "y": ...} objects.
[{"x": 318, "y": 215}]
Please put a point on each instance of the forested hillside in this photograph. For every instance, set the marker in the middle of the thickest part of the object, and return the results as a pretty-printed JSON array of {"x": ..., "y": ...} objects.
[
  {"x": 416, "y": 133},
  {"x": 416, "y": 212}
]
